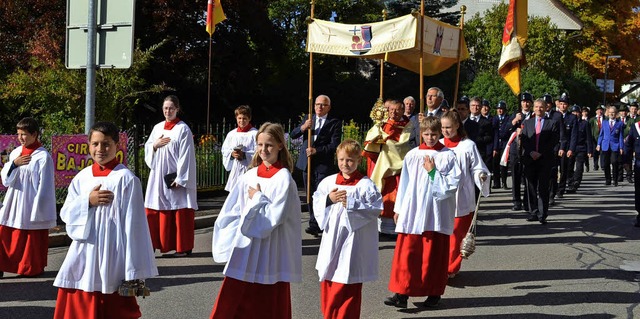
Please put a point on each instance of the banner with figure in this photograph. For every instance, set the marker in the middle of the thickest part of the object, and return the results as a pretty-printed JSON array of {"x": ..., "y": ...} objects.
[
  {"x": 396, "y": 40},
  {"x": 71, "y": 154}
]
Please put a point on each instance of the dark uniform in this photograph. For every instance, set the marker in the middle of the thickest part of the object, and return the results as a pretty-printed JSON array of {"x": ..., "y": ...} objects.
[
  {"x": 567, "y": 143},
  {"x": 596, "y": 124},
  {"x": 512, "y": 125},
  {"x": 633, "y": 147},
  {"x": 499, "y": 144},
  {"x": 583, "y": 149}
]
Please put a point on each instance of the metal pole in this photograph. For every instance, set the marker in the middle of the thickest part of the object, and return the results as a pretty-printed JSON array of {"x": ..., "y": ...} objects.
[
  {"x": 90, "y": 100},
  {"x": 604, "y": 85}
]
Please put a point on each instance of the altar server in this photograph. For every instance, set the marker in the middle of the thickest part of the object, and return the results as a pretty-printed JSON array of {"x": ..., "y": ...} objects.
[
  {"x": 239, "y": 146},
  {"x": 424, "y": 213},
  {"x": 346, "y": 206},
  {"x": 29, "y": 206},
  {"x": 258, "y": 235},
  {"x": 171, "y": 189},
  {"x": 104, "y": 216}
]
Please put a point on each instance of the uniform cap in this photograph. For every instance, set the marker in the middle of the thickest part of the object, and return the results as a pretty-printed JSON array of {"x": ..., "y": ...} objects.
[
  {"x": 547, "y": 98},
  {"x": 576, "y": 108},
  {"x": 564, "y": 97},
  {"x": 526, "y": 96},
  {"x": 486, "y": 103},
  {"x": 502, "y": 105}
]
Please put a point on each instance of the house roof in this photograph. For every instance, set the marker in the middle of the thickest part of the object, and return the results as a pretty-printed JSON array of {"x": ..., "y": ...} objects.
[{"x": 557, "y": 13}]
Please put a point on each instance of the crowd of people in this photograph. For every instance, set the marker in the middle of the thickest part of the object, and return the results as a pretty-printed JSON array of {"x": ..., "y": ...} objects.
[{"x": 425, "y": 174}]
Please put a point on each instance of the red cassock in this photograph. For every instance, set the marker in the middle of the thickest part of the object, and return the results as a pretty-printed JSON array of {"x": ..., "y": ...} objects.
[
  {"x": 460, "y": 229},
  {"x": 171, "y": 230},
  {"x": 239, "y": 299},
  {"x": 419, "y": 265},
  {"x": 23, "y": 251},
  {"x": 340, "y": 301},
  {"x": 74, "y": 304}
]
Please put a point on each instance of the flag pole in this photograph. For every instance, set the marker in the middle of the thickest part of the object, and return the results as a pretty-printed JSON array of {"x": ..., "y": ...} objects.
[
  {"x": 421, "y": 54},
  {"x": 207, "y": 130},
  {"x": 309, "y": 135},
  {"x": 463, "y": 10},
  {"x": 384, "y": 18}
]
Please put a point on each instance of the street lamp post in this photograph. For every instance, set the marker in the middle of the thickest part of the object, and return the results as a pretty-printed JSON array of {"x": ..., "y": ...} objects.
[{"x": 604, "y": 86}]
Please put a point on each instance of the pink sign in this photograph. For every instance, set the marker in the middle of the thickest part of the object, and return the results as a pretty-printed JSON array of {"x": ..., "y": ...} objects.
[{"x": 71, "y": 154}]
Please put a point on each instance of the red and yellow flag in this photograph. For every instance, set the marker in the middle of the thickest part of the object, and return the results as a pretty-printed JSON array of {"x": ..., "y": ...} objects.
[
  {"x": 215, "y": 15},
  {"x": 513, "y": 39}
]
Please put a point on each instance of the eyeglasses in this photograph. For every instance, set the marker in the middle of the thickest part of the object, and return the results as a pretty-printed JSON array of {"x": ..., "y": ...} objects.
[{"x": 322, "y": 104}]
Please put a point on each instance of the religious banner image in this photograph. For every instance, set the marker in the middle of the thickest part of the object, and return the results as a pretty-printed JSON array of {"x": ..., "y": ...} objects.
[
  {"x": 361, "y": 39},
  {"x": 7, "y": 144},
  {"x": 71, "y": 154}
]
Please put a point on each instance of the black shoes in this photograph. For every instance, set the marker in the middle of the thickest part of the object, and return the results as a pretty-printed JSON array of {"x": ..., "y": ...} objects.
[
  {"x": 431, "y": 301},
  {"x": 183, "y": 254},
  {"x": 543, "y": 221},
  {"x": 571, "y": 190},
  {"x": 313, "y": 231},
  {"x": 398, "y": 301},
  {"x": 532, "y": 219},
  {"x": 615, "y": 183},
  {"x": 607, "y": 183},
  {"x": 560, "y": 195},
  {"x": 517, "y": 207}
]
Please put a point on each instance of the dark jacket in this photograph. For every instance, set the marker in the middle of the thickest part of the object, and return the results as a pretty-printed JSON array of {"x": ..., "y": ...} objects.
[{"x": 325, "y": 144}]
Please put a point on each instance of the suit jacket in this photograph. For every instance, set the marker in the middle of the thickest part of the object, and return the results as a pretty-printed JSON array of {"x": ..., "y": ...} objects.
[
  {"x": 327, "y": 140},
  {"x": 414, "y": 140},
  {"x": 568, "y": 140},
  {"x": 550, "y": 135},
  {"x": 437, "y": 113},
  {"x": 633, "y": 144},
  {"x": 499, "y": 142},
  {"x": 509, "y": 128},
  {"x": 611, "y": 138},
  {"x": 584, "y": 140},
  {"x": 472, "y": 128},
  {"x": 484, "y": 139}
]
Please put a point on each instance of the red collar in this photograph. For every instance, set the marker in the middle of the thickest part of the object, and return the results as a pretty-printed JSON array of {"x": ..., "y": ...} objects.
[
  {"x": 104, "y": 171},
  {"x": 168, "y": 125},
  {"x": 28, "y": 150},
  {"x": 354, "y": 179},
  {"x": 245, "y": 129},
  {"x": 452, "y": 142},
  {"x": 438, "y": 146},
  {"x": 268, "y": 172}
]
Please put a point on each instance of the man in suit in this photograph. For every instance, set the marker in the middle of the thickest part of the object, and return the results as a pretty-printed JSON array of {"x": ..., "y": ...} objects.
[
  {"x": 611, "y": 145},
  {"x": 567, "y": 143},
  {"x": 325, "y": 130},
  {"x": 513, "y": 124},
  {"x": 596, "y": 124},
  {"x": 485, "y": 110},
  {"x": 434, "y": 99},
  {"x": 409, "y": 107},
  {"x": 633, "y": 148},
  {"x": 484, "y": 138},
  {"x": 584, "y": 147},
  {"x": 538, "y": 139},
  {"x": 471, "y": 127},
  {"x": 499, "y": 144}
]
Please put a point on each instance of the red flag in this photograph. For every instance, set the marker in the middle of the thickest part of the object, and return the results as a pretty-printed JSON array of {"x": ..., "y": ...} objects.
[
  {"x": 513, "y": 39},
  {"x": 215, "y": 15}
]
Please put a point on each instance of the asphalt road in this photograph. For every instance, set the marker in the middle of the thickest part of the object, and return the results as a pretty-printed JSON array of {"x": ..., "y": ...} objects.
[{"x": 568, "y": 268}]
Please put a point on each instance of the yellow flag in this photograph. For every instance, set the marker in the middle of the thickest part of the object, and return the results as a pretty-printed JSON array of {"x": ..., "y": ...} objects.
[
  {"x": 513, "y": 39},
  {"x": 215, "y": 15}
]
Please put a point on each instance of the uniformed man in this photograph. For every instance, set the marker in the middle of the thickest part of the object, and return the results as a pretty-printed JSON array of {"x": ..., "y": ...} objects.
[
  {"x": 513, "y": 125},
  {"x": 583, "y": 147},
  {"x": 567, "y": 143},
  {"x": 499, "y": 143},
  {"x": 596, "y": 124}
]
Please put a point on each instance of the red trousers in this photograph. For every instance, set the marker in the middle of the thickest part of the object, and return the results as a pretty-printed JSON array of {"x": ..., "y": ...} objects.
[
  {"x": 460, "y": 230},
  {"x": 340, "y": 301},
  {"x": 245, "y": 300},
  {"x": 419, "y": 265},
  {"x": 23, "y": 251},
  {"x": 172, "y": 229},
  {"x": 78, "y": 304}
]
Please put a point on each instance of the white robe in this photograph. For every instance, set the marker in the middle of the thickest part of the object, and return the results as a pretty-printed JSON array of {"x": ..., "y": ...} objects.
[
  {"x": 176, "y": 157},
  {"x": 472, "y": 166},
  {"x": 30, "y": 200},
  {"x": 237, "y": 167},
  {"x": 260, "y": 239},
  {"x": 423, "y": 204},
  {"x": 111, "y": 243},
  {"x": 349, "y": 249}
]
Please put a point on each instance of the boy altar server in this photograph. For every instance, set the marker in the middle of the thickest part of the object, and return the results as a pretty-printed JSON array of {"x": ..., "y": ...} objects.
[
  {"x": 104, "y": 214},
  {"x": 258, "y": 235},
  {"x": 239, "y": 146},
  {"x": 346, "y": 206},
  {"x": 29, "y": 206},
  {"x": 425, "y": 212}
]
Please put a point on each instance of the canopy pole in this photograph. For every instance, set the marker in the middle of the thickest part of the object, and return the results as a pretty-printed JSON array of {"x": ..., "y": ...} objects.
[
  {"x": 309, "y": 133},
  {"x": 463, "y": 10}
]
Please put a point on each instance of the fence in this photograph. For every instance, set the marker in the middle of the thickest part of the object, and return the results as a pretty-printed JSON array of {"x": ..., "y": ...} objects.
[{"x": 210, "y": 171}]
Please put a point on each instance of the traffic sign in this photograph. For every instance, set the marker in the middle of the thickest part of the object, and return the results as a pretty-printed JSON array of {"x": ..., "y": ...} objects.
[
  {"x": 610, "y": 85},
  {"x": 115, "y": 33}
]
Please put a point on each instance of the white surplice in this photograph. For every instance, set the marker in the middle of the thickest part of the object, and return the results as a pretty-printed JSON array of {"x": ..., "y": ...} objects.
[
  {"x": 30, "y": 200},
  {"x": 349, "y": 249},
  {"x": 176, "y": 157},
  {"x": 111, "y": 243},
  {"x": 247, "y": 140},
  {"x": 418, "y": 193},
  {"x": 260, "y": 238},
  {"x": 472, "y": 167}
]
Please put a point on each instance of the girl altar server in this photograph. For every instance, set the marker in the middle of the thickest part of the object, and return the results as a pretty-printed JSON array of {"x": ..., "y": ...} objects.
[
  {"x": 474, "y": 173},
  {"x": 258, "y": 235},
  {"x": 239, "y": 146},
  {"x": 171, "y": 190},
  {"x": 425, "y": 211},
  {"x": 104, "y": 214},
  {"x": 29, "y": 206},
  {"x": 346, "y": 206}
]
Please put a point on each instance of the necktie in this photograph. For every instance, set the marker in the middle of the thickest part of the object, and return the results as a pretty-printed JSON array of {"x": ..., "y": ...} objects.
[
  {"x": 599, "y": 123},
  {"x": 318, "y": 127},
  {"x": 611, "y": 123},
  {"x": 538, "y": 129}
]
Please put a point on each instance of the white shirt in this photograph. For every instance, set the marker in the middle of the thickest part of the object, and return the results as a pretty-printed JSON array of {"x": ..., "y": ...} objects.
[
  {"x": 176, "y": 157},
  {"x": 238, "y": 167},
  {"x": 260, "y": 239},
  {"x": 111, "y": 243},
  {"x": 30, "y": 200},
  {"x": 349, "y": 248}
]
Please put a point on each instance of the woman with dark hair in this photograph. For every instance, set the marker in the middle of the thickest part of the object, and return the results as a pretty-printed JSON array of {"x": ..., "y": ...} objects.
[{"x": 171, "y": 189}]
